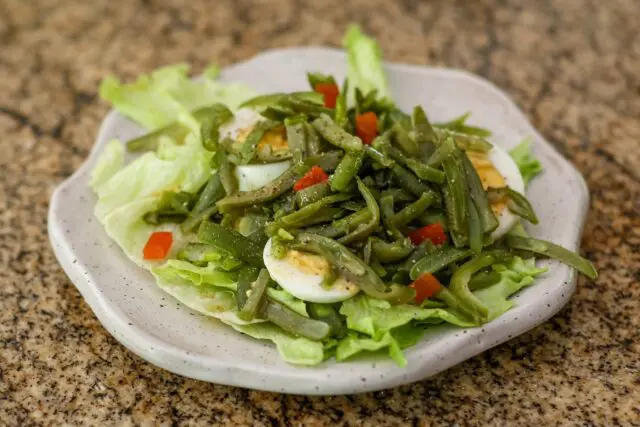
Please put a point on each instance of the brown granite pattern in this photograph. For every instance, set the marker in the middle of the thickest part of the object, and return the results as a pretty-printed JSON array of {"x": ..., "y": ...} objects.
[{"x": 572, "y": 65}]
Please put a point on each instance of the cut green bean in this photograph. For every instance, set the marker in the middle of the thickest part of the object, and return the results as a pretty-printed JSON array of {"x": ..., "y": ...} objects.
[
  {"x": 464, "y": 141},
  {"x": 391, "y": 252},
  {"x": 312, "y": 194},
  {"x": 255, "y": 296},
  {"x": 246, "y": 277},
  {"x": 293, "y": 322},
  {"x": 296, "y": 138},
  {"x": 459, "y": 125},
  {"x": 363, "y": 231},
  {"x": 479, "y": 196},
  {"x": 516, "y": 202},
  {"x": 328, "y": 161},
  {"x": 275, "y": 188},
  {"x": 551, "y": 250},
  {"x": 340, "y": 114},
  {"x": 421, "y": 170},
  {"x": 437, "y": 260},
  {"x": 476, "y": 232},
  {"x": 347, "y": 169},
  {"x": 422, "y": 127},
  {"x": 300, "y": 217},
  {"x": 415, "y": 209},
  {"x": 205, "y": 206},
  {"x": 314, "y": 143},
  {"x": 404, "y": 141},
  {"x": 433, "y": 217},
  {"x": 248, "y": 148},
  {"x": 232, "y": 242},
  {"x": 328, "y": 314},
  {"x": 335, "y": 135},
  {"x": 408, "y": 181},
  {"x": 457, "y": 208},
  {"x": 216, "y": 116}
]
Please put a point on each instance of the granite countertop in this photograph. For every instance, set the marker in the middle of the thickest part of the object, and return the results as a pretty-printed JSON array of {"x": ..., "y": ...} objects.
[{"x": 573, "y": 67}]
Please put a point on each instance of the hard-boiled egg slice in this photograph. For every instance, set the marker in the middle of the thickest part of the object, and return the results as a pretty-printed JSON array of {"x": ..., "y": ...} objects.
[
  {"x": 252, "y": 177},
  {"x": 497, "y": 169},
  {"x": 301, "y": 274}
]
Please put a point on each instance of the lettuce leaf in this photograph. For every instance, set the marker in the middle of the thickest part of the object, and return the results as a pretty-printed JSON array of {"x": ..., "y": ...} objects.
[
  {"x": 375, "y": 324},
  {"x": 126, "y": 194},
  {"x": 295, "y": 350},
  {"x": 364, "y": 64},
  {"x": 162, "y": 97},
  {"x": 527, "y": 163}
]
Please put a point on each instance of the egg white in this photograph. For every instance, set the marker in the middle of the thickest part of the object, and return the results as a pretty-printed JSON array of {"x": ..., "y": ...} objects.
[
  {"x": 508, "y": 168},
  {"x": 304, "y": 285}
]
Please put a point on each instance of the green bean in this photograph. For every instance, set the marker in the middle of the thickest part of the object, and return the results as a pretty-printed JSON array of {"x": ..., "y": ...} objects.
[
  {"x": 174, "y": 208},
  {"x": 232, "y": 242},
  {"x": 465, "y": 142},
  {"x": 457, "y": 207},
  {"x": 476, "y": 232},
  {"x": 293, "y": 322},
  {"x": 391, "y": 252},
  {"x": 277, "y": 113},
  {"x": 409, "y": 182},
  {"x": 248, "y": 148},
  {"x": 437, "y": 260},
  {"x": 479, "y": 196},
  {"x": 328, "y": 314},
  {"x": 254, "y": 296},
  {"x": 415, "y": 209},
  {"x": 314, "y": 144},
  {"x": 423, "y": 171},
  {"x": 422, "y": 127},
  {"x": 347, "y": 169},
  {"x": 275, "y": 188},
  {"x": 516, "y": 202},
  {"x": 160, "y": 217},
  {"x": 205, "y": 206},
  {"x": 227, "y": 177},
  {"x": 312, "y": 194},
  {"x": 378, "y": 157},
  {"x": 484, "y": 279},
  {"x": 176, "y": 131},
  {"x": 328, "y": 161},
  {"x": 315, "y": 78},
  {"x": 336, "y": 135},
  {"x": 459, "y": 125},
  {"x": 353, "y": 268},
  {"x": 251, "y": 223},
  {"x": 246, "y": 277},
  {"x": 216, "y": 116},
  {"x": 459, "y": 285},
  {"x": 460, "y": 237},
  {"x": 443, "y": 151},
  {"x": 296, "y": 137},
  {"x": 285, "y": 205},
  {"x": 402, "y": 138},
  {"x": 340, "y": 114},
  {"x": 377, "y": 267},
  {"x": 300, "y": 217},
  {"x": 387, "y": 208},
  {"x": 261, "y": 102},
  {"x": 307, "y": 108},
  {"x": 364, "y": 230},
  {"x": 398, "y": 194},
  {"x": 554, "y": 251},
  {"x": 424, "y": 248}
]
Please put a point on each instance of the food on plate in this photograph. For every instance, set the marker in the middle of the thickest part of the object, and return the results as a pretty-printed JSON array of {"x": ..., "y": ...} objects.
[{"x": 326, "y": 220}]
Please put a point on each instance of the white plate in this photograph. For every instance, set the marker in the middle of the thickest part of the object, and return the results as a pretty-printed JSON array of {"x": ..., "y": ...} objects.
[{"x": 159, "y": 329}]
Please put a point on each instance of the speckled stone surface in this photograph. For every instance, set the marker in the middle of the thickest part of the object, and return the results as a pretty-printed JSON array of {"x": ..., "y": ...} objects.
[{"x": 572, "y": 66}]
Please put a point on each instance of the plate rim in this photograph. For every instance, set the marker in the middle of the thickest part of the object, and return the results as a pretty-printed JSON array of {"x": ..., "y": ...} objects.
[{"x": 176, "y": 360}]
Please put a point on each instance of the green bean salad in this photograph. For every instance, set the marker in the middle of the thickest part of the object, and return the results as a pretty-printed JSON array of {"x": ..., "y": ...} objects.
[{"x": 327, "y": 220}]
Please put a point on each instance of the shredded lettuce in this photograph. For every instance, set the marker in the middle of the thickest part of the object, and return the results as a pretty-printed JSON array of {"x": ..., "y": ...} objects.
[
  {"x": 168, "y": 94},
  {"x": 527, "y": 163},
  {"x": 364, "y": 64}
]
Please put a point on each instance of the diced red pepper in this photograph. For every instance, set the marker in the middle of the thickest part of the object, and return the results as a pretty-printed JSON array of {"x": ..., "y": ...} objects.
[
  {"x": 158, "y": 245},
  {"x": 367, "y": 126},
  {"x": 433, "y": 232},
  {"x": 330, "y": 92},
  {"x": 315, "y": 176},
  {"x": 426, "y": 286}
]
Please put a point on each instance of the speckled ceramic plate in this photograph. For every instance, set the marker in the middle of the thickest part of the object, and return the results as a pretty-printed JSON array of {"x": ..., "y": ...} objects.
[{"x": 159, "y": 329}]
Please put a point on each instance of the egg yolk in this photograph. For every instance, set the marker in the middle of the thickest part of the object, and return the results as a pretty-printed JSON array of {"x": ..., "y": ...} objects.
[
  {"x": 308, "y": 263},
  {"x": 489, "y": 175},
  {"x": 276, "y": 138}
]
